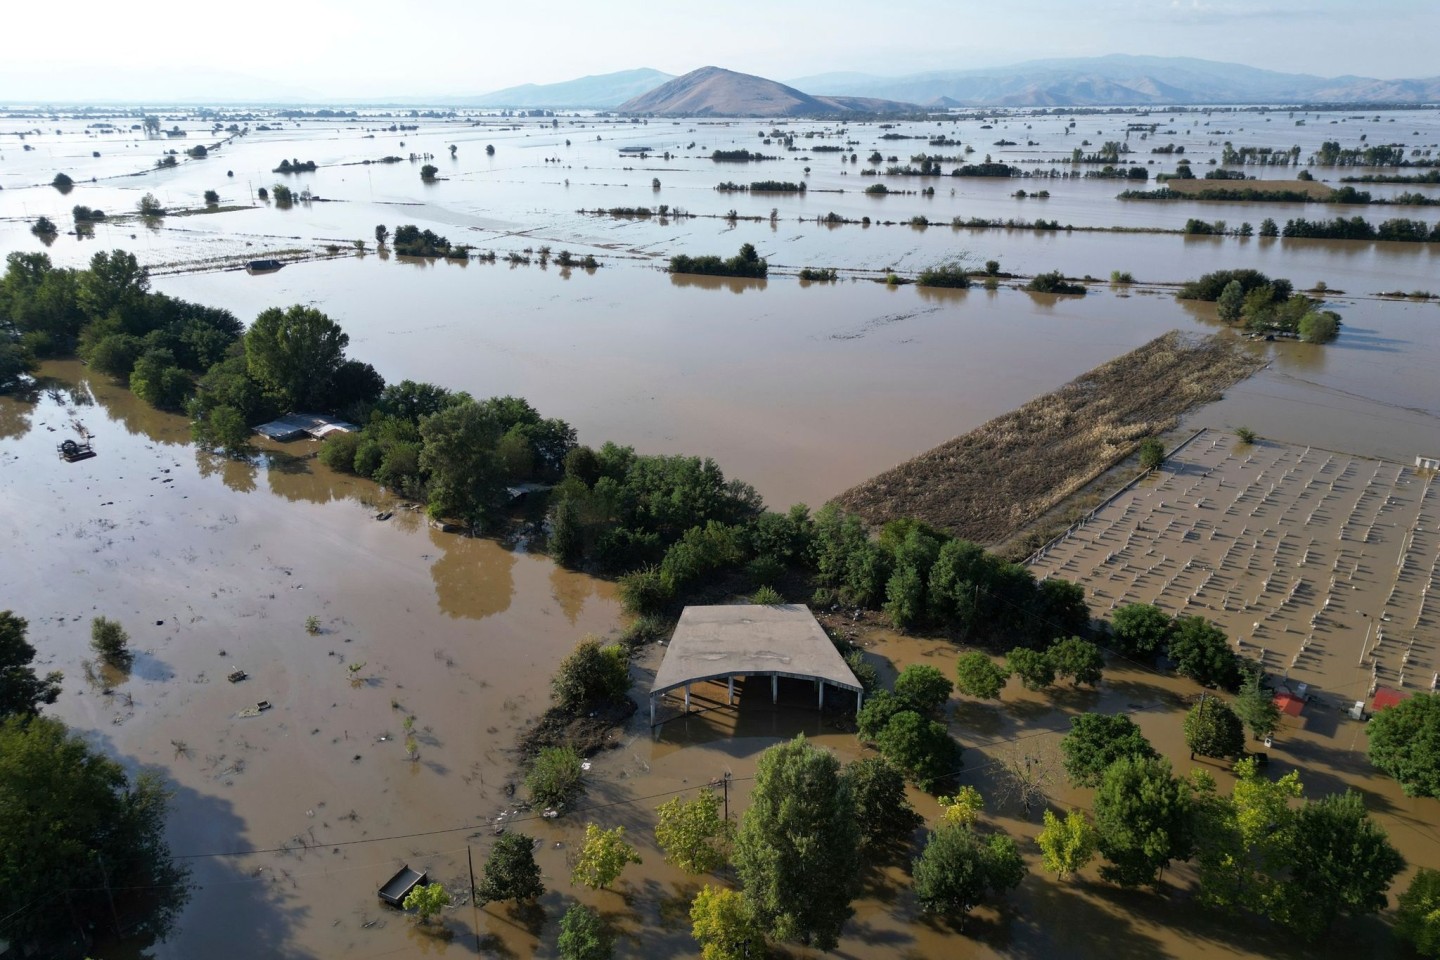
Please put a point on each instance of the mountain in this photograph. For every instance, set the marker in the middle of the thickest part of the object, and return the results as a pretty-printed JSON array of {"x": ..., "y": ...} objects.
[
  {"x": 715, "y": 92},
  {"x": 605, "y": 91},
  {"x": 1121, "y": 80}
]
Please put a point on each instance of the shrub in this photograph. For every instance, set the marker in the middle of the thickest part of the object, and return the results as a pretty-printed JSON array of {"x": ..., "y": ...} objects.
[
  {"x": 922, "y": 748},
  {"x": 428, "y": 171},
  {"x": 62, "y": 182},
  {"x": 1121, "y": 276},
  {"x": 1054, "y": 282},
  {"x": 110, "y": 641},
  {"x": 979, "y": 676},
  {"x": 992, "y": 267},
  {"x": 645, "y": 591},
  {"x": 1035, "y": 669},
  {"x": 1245, "y": 434},
  {"x": 338, "y": 451},
  {"x": 583, "y": 935},
  {"x": 1152, "y": 453},
  {"x": 944, "y": 275},
  {"x": 555, "y": 777},
  {"x": 212, "y": 196},
  {"x": 591, "y": 675},
  {"x": 767, "y": 596},
  {"x": 1319, "y": 326}
]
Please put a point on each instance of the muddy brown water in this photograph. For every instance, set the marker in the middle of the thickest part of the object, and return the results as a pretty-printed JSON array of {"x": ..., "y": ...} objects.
[{"x": 802, "y": 390}]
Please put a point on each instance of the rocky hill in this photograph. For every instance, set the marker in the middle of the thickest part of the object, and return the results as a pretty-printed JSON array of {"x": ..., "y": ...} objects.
[{"x": 716, "y": 92}]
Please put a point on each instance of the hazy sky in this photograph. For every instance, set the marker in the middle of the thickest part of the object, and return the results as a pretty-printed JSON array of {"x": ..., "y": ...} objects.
[{"x": 373, "y": 48}]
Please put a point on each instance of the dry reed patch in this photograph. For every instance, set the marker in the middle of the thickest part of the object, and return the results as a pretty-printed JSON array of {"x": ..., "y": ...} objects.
[{"x": 991, "y": 482}]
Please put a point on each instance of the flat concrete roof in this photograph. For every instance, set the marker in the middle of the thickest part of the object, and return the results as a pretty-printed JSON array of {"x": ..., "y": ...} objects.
[{"x": 784, "y": 640}]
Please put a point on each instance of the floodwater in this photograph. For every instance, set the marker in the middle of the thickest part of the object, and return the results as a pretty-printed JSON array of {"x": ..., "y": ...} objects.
[{"x": 296, "y": 815}]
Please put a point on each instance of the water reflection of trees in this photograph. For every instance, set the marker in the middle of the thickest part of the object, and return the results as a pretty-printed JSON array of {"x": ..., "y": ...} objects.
[
  {"x": 733, "y": 284},
  {"x": 236, "y": 473},
  {"x": 303, "y": 478},
  {"x": 473, "y": 578},
  {"x": 570, "y": 591},
  {"x": 15, "y": 414}
]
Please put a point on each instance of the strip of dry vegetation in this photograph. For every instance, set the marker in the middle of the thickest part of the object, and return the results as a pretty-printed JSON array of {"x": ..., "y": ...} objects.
[{"x": 991, "y": 482}]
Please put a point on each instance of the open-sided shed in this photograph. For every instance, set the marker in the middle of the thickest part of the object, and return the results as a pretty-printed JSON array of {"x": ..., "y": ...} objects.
[{"x": 725, "y": 642}]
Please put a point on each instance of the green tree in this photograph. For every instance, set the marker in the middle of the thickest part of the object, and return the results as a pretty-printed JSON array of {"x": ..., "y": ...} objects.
[
  {"x": 21, "y": 691},
  {"x": 1256, "y": 708},
  {"x": 693, "y": 834},
  {"x": 583, "y": 935},
  {"x": 1077, "y": 659},
  {"x": 1230, "y": 302},
  {"x": 921, "y": 747},
  {"x": 150, "y": 207},
  {"x": 555, "y": 776},
  {"x": 593, "y": 675},
  {"x": 428, "y": 171},
  {"x": 925, "y": 686},
  {"x": 15, "y": 362},
  {"x": 295, "y": 353},
  {"x": 1341, "y": 864},
  {"x": 566, "y": 542},
  {"x": 158, "y": 381},
  {"x": 798, "y": 847},
  {"x": 466, "y": 475},
  {"x": 1405, "y": 743},
  {"x": 1152, "y": 453},
  {"x": 979, "y": 676},
  {"x": 1213, "y": 730},
  {"x": 1035, "y": 670},
  {"x": 212, "y": 197},
  {"x": 723, "y": 923},
  {"x": 1201, "y": 651},
  {"x": 110, "y": 642},
  {"x": 116, "y": 284},
  {"x": 1319, "y": 326},
  {"x": 1066, "y": 846},
  {"x": 71, "y": 816},
  {"x": 221, "y": 427},
  {"x": 886, "y": 818},
  {"x": 958, "y": 870},
  {"x": 510, "y": 871},
  {"x": 1095, "y": 741},
  {"x": 1142, "y": 628},
  {"x": 604, "y": 855},
  {"x": 1417, "y": 914},
  {"x": 427, "y": 900},
  {"x": 1143, "y": 816}
]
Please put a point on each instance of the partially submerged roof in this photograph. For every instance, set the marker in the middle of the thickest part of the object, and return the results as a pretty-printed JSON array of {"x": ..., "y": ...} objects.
[
  {"x": 783, "y": 640},
  {"x": 293, "y": 426},
  {"x": 1289, "y": 704},
  {"x": 1387, "y": 697}
]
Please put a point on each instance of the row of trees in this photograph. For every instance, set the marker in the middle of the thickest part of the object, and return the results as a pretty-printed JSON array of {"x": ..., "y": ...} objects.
[
  {"x": 1303, "y": 865},
  {"x": 747, "y": 263}
]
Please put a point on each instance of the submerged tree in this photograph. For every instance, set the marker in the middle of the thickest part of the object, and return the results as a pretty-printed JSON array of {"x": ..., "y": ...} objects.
[{"x": 21, "y": 691}]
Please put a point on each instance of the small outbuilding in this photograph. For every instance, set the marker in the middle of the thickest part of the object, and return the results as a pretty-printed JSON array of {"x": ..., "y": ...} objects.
[
  {"x": 751, "y": 640},
  {"x": 1386, "y": 697},
  {"x": 1289, "y": 704},
  {"x": 1427, "y": 463}
]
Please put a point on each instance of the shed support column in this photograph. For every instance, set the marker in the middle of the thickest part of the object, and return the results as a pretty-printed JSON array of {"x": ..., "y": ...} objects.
[
  {"x": 652, "y": 709},
  {"x": 859, "y": 696},
  {"x": 821, "y": 684},
  {"x": 774, "y": 688},
  {"x": 731, "y": 680},
  {"x": 687, "y": 698}
]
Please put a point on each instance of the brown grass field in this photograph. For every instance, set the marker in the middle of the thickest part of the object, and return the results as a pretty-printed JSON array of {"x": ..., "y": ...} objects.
[
  {"x": 991, "y": 482},
  {"x": 1197, "y": 187}
]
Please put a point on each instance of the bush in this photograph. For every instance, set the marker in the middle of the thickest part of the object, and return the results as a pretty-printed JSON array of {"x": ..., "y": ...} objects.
[
  {"x": 555, "y": 777},
  {"x": 767, "y": 596},
  {"x": 1245, "y": 434},
  {"x": 1121, "y": 276},
  {"x": 62, "y": 182},
  {"x": 1211, "y": 285},
  {"x": 944, "y": 275},
  {"x": 212, "y": 196},
  {"x": 110, "y": 641},
  {"x": 1319, "y": 326},
  {"x": 338, "y": 451},
  {"x": 583, "y": 935},
  {"x": 979, "y": 676},
  {"x": 591, "y": 676},
  {"x": 864, "y": 671},
  {"x": 1213, "y": 730},
  {"x": 428, "y": 171},
  {"x": 1035, "y": 669},
  {"x": 645, "y": 591},
  {"x": 1152, "y": 453},
  {"x": 1054, "y": 282}
]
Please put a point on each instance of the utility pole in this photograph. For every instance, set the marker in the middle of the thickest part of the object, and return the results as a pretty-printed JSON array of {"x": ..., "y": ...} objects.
[{"x": 726, "y": 781}]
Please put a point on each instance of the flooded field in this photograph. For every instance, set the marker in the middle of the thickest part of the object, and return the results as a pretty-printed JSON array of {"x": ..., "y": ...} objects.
[
  {"x": 292, "y": 817},
  {"x": 1319, "y": 565}
]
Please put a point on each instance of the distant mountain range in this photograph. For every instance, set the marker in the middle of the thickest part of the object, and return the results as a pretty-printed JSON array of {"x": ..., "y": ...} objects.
[
  {"x": 713, "y": 91},
  {"x": 601, "y": 92},
  {"x": 1121, "y": 81},
  {"x": 1116, "y": 80}
]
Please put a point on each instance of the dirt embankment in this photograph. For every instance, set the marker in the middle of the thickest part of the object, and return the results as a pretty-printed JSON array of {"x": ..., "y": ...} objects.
[{"x": 991, "y": 482}]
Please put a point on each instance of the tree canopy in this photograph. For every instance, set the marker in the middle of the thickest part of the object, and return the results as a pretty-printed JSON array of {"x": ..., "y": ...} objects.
[
  {"x": 1213, "y": 730},
  {"x": 693, "y": 834},
  {"x": 72, "y": 820},
  {"x": 1142, "y": 814},
  {"x": 958, "y": 870},
  {"x": 296, "y": 353},
  {"x": 798, "y": 847},
  {"x": 21, "y": 691},
  {"x": 1095, "y": 741},
  {"x": 510, "y": 871},
  {"x": 1405, "y": 743},
  {"x": 978, "y": 676}
]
